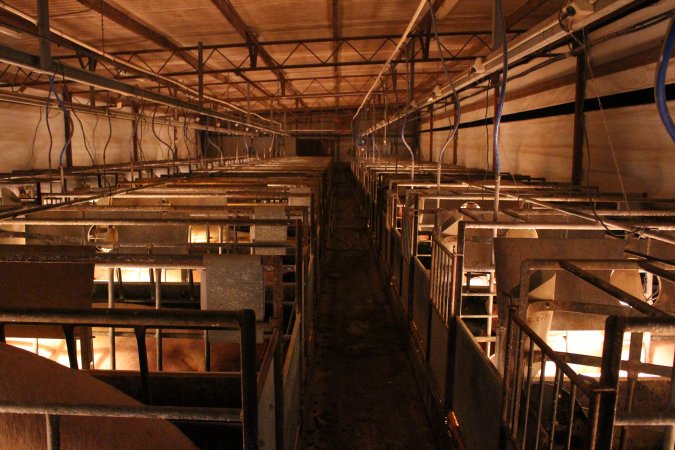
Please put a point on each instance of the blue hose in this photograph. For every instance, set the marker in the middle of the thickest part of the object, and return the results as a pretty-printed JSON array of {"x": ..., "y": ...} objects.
[
  {"x": 502, "y": 90},
  {"x": 660, "y": 85},
  {"x": 52, "y": 88}
]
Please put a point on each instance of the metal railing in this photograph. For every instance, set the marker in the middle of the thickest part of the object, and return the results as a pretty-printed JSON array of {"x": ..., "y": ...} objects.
[
  {"x": 568, "y": 410},
  {"x": 140, "y": 321},
  {"x": 540, "y": 411},
  {"x": 442, "y": 278},
  {"x": 533, "y": 399}
]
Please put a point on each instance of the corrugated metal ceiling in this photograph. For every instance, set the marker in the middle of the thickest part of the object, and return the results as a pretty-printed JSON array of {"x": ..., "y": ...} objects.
[{"x": 186, "y": 22}]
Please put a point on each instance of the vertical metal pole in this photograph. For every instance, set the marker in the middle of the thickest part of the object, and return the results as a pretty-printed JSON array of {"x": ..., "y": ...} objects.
[
  {"x": 200, "y": 72},
  {"x": 278, "y": 293},
  {"x": 134, "y": 125},
  {"x": 279, "y": 389},
  {"x": 71, "y": 345},
  {"x": 609, "y": 381},
  {"x": 143, "y": 363},
  {"x": 111, "y": 305},
  {"x": 158, "y": 305},
  {"x": 495, "y": 156},
  {"x": 92, "y": 89},
  {"x": 669, "y": 439},
  {"x": 67, "y": 121},
  {"x": 579, "y": 120},
  {"x": 634, "y": 353},
  {"x": 249, "y": 389},
  {"x": 53, "y": 432},
  {"x": 43, "y": 33},
  {"x": 455, "y": 143},
  {"x": 431, "y": 133}
]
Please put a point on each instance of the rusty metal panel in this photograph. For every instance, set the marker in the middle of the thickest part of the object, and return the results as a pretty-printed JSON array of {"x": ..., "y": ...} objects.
[
  {"x": 292, "y": 385},
  {"x": 231, "y": 283},
  {"x": 510, "y": 253},
  {"x": 266, "y": 415},
  {"x": 406, "y": 280},
  {"x": 477, "y": 393},
  {"x": 45, "y": 285},
  {"x": 421, "y": 305},
  {"x": 666, "y": 298},
  {"x": 438, "y": 351},
  {"x": 269, "y": 233},
  {"x": 74, "y": 232}
]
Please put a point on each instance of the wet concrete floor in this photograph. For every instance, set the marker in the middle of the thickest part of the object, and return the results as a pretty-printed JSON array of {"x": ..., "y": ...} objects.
[{"x": 361, "y": 390}]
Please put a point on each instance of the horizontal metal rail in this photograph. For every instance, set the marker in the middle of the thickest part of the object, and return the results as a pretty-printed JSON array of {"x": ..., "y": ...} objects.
[
  {"x": 140, "y": 321},
  {"x": 229, "y": 415},
  {"x": 123, "y": 318}
]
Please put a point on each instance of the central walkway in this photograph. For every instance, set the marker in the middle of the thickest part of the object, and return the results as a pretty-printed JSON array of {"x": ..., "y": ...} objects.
[{"x": 362, "y": 394}]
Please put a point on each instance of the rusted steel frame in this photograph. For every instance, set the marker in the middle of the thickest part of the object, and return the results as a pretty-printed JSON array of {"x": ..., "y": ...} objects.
[
  {"x": 229, "y": 415},
  {"x": 614, "y": 291},
  {"x": 206, "y": 320},
  {"x": 142, "y": 222},
  {"x": 12, "y": 214},
  {"x": 141, "y": 320},
  {"x": 579, "y": 269},
  {"x": 607, "y": 222}
]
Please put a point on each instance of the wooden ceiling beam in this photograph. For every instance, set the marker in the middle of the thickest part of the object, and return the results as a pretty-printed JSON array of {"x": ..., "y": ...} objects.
[
  {"x": 443, "y": 7},
  {"x": 127, "y": 21},
  {"x": 525, "y": 9},
  {"x": 232, "y": 16},
  {"x": 335, "y": 28}
]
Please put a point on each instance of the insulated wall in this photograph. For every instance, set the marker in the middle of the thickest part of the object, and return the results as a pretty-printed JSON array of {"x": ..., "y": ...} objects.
[
  {"x": 625, "y": 135},
  {"x": 26, "y": 137}
]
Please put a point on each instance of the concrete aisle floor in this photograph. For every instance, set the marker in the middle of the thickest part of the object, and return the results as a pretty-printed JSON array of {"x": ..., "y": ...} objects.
[{"x": 362, "y": 394}]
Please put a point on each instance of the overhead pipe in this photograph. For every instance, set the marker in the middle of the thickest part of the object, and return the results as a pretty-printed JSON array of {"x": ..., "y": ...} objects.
[
  {"x": 385, "y": 66},
  {"x": 546, "y": 33},
  {"x": 501, "y": 22},
  {"x": 30, "y": 100},
  {"x": 455, "y": 98},
  {"x": 28, "y": 61},
  {"x": 660, "y": 84},
  {"x": 129, "y": 65},
  {"x": 583, "y": 215}
]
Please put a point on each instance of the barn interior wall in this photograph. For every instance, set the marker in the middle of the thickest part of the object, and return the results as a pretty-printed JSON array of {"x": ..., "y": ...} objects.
[
  {"x": 26, "y": 139},
  {"x": 630, "y": 140}
]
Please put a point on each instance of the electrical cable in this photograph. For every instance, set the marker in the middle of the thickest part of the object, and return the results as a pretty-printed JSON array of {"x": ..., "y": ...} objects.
[
  {"x": 458, "y": 111},
  {"x": 386, "y": 114},
  {"x": 499, "y": 11},
  {"x": 84, "y": 140},
  {"x": 32, "y": 148},
  {"x": 52, "y": 89},
  {"x": 107, "y": 142},
  {"x": 51, "y": 140},
  {"x": 210, "y": 142},
  {"x": 583, "y": 44},
  {"x": 170, "y": 151},
  {"x": 405, "y": 119},
  {"x": 660, "y": 83}
]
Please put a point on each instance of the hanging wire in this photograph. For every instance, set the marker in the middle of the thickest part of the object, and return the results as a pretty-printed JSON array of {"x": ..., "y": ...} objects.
[
  {"x": 583, "y": 43},
  {"x": 107, "y": 142},
  {"x": 84, "y": 135},
  {"x": 51, "y": 140},
  {"x": 499, "y": 11},
  {"x": 405, "y": 115},
  {"x": 660, "y": 83},
  {"x": 59, "y": 101},
  {"x": 32, "y": 147},
  {"x": 386, "y": 114},
  {"x": 170, "y": 150},
  {"x": 455, "y": 98}
]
